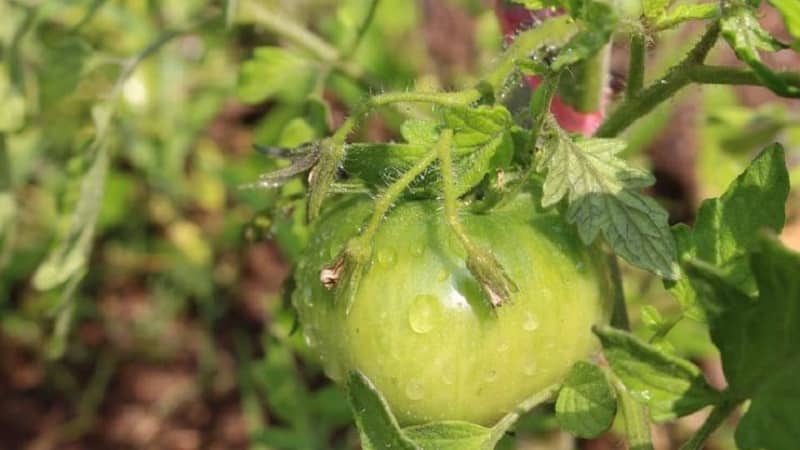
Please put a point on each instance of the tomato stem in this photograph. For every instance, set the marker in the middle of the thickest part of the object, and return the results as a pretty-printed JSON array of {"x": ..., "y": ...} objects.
[
  {"x": 718, "y": 415},
  {"x": 481, "y": 263},
  {"x": 636, "y": 65}
]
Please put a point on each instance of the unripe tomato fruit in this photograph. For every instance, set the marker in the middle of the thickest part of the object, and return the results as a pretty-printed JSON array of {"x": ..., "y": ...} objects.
[{"x": 418, "y": 326}]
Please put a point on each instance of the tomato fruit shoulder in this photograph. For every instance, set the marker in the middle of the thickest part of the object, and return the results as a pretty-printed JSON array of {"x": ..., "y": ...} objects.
[{"x": 421, "y": 331}]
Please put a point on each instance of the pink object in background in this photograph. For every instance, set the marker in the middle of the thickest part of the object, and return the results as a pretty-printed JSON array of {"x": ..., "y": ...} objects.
[{"x": 515, "y": 18}]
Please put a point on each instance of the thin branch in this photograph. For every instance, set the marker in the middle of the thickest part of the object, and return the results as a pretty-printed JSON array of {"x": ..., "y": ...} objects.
[
  {"x": 718, "y": 415},
  {"x": 636, "y": 65}
]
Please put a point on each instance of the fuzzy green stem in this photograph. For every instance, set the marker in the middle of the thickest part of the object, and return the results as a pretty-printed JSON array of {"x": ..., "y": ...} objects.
[
  {"x": 637, "y": 425},
  {"x": 708, "y": 74},
  {"x": 619, "y": 317},
  {"x": 678, "y": 77},
  {"x": 459, "y": 98},
  {"x": 540, "y": 105},
  {"x": 387, "y": 199},
  {"x": 636, "y": 65},
  {"x": 718, "y": 415}
]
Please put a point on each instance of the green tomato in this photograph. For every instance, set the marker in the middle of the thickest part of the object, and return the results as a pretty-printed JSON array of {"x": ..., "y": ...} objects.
[{"x": 419, "y": 327}]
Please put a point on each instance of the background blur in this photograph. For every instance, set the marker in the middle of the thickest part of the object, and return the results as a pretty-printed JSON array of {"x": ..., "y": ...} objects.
[{"x": 141, "y": 284}]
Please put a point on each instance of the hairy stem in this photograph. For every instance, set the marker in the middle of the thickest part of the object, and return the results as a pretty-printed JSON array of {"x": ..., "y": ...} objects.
[
  {"x": 540, "y": 105},
  {"x": 718, "y": 415},
  {"x": 448, "y": 183},
  {"x": 636, "y": 66},
  {"x": 459, "y": 98},
  {"x": 385, "y": 201},
  {"x": 708, "y": 74},
  {"x": 637, "y": 425},
  {"x": 619, "y": 317},
  {"x": 678, "y": 77}
]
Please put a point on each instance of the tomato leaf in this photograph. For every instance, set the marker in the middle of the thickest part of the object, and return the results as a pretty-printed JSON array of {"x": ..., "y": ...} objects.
[
  {"x": 449, "y": 436},
  {"x": 757, "y": 337},
  {"x": 276, "y": 72},
  {"x": 740, "y": 27},
  {"x": 654, "y": 8},
  {"x": 378, "y": 426},
  {"x": 790, "y": 10},
  {"x": 65, "y": 61},
  {"x": 602, "y": 193},
  {"x": 598, "y": 21},
  {"x": 670, "y": 386},
  {"x": 726, "y": 227},
  {"x": 586, "y": 403},
  {"x": 71, "y": 253},
  {"x": 685, "y": 12}
]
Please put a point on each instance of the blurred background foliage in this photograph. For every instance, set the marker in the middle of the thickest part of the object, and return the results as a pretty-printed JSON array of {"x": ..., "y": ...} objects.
[{"x": 142, "y": 283}]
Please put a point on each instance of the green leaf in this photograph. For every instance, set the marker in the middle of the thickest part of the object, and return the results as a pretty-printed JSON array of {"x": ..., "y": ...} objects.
[
  {"x": 12, "y": 114},
  {"x": 599, "y": 22},
  {"x": 71, "y": 254},
  {"x": 586, "y": 404},
  {"x": 449, "y": 436},
  {"x": 276, "y": 72},
  {"x": 63, "y": 68},
  {"x": 374, "y": 419},
  {"x": 602, "y": 192},
  {"x": 420, "y": 131},
  {"x": 669, "y": 385},
  {"x": 790, "y": 10},
  {"x": 757, "y": 338},
  {"x": 726, "y": 227},
  {"x": 654, "y": 8},
  {"x": 771, "y": 422},
  {"x": 744, "y": 34},
  {"x": 685, "y": 12}
]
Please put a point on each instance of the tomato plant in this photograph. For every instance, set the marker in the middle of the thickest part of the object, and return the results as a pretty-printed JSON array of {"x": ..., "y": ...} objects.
[
  {"x": 418, "y": 327},
  {"x": 439, "y": 292},
  {"x": 462, "y": 190}
]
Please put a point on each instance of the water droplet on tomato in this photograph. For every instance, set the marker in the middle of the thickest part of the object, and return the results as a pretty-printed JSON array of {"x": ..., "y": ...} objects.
[
  {"x": 419, "y": 250},
  {"x": 529, "y": 368},
  {"x": 491, "y": 376},
  {"x": 530, "y": 323},
  {"x": 442, "y": 276},
  {"x": 386, "y": 257},
  {"x": 414, "y": 390},
  {"x": 424, "y": 313},
  {"x": 310, "y": 341}
]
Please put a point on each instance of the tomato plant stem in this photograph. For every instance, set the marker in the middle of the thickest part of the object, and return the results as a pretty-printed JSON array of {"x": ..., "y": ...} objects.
[
  {"x": 637, "y": 425},
  {"x": 448, "y": 184},
  {"x": 718, "y": 415},
  {"x": 387, "y": 199},
  {"x": 540, "y": 105},
  {"x": 636, "y": 66},
  {"x": 459, "y": 98},
  {"x": 634, "y": 108}
]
